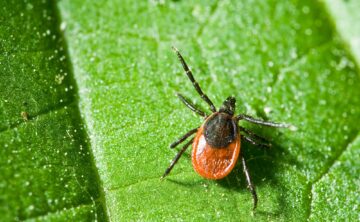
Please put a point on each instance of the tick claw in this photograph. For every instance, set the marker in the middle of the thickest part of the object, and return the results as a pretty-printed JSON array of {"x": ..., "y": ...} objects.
[{"x": 174, "y": 48}]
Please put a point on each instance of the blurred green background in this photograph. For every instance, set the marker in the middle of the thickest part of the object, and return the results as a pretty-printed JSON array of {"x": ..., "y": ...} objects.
[{"x": 88, "y": 108}]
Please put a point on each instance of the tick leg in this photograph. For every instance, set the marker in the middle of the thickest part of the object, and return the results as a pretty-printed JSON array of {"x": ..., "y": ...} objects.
[
  {"x": 191, "y": 106},
  {"x": 260, "y": 121},
  {"x": 256, "y": 143},
  {"x": 250, "y": 184},
  {"x": 251, "y": 137},
  {"x": 195, "y": 84},
  {"x": 184, "y": 137},
  {"x": 176, "y": 158}
]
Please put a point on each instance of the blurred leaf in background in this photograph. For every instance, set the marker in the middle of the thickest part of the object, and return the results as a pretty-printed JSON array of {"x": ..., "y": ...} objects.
[{"x": 287, "y": 61}]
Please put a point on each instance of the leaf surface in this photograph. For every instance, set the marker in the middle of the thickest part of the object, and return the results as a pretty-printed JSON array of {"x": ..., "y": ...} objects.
[
  {"x": 47, "y": 172},
  {"x": 285, "y": 61},
  {"x": 282, "y": 60}
]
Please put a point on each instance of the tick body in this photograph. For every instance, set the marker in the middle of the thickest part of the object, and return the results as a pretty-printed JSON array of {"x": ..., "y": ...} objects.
[{"x": 216, "y": 145}]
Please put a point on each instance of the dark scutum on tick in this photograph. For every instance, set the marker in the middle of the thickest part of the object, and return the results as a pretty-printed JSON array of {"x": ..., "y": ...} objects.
[
  {"x": 216, "y": 146},
  {"x": 220, "y": 130}
]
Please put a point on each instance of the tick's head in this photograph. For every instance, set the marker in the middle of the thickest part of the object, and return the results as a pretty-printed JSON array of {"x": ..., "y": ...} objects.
[{"x": 228, "y": 106}]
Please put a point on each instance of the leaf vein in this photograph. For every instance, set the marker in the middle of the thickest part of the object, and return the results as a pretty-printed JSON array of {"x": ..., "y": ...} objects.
[
  {"x": 326, "y": 171},
  {"x": 213, "y": 9},
  {"x": 142, "y": 181},
  {"x": 54, "y": 108},
  {"x": 293, "y": 63},
  {"x": 83, "y": 205}
]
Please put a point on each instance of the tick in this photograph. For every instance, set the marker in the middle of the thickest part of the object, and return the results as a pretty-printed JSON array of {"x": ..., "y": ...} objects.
[{"x": 216, "y": 144}]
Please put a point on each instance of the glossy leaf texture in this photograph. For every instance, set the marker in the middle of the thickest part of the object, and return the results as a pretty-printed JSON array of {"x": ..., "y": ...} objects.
[
  {"x": 47, "y": 170},
  {"x": 85, "y": 134}
]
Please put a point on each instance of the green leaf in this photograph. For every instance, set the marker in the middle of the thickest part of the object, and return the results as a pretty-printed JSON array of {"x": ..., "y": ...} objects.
[
  {"x": 344, "y": 14},
  {"x": 284, "y": 61},
  {"x": 47, "y": 171}
]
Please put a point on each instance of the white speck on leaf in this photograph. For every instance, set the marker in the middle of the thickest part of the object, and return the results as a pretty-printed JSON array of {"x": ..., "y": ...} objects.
[{"x": 63, "y": 26}]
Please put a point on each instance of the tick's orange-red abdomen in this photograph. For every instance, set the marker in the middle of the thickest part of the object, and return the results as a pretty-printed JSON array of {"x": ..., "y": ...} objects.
[{"x": 214, "y": 163}]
